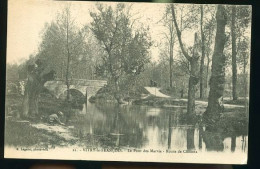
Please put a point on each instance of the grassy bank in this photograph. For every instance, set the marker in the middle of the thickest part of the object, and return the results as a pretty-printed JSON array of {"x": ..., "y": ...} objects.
[
  {"x": 36, "y": 132},
  {"x": 106, "y": 94},
  {"x": 21, "y": 133},
  {"x": 233, "y": 121}
]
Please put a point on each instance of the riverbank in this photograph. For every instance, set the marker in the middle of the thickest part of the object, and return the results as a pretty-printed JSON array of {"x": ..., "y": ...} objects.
[
  {"x": 29, "y": 134},
  {"x": 152, "y": 96},
  {"x": 233, "y": 121},
  {"x": 27, "y": 131},
  {"x": 169, "y": 102},
  {"x": 37, "y": 132}
]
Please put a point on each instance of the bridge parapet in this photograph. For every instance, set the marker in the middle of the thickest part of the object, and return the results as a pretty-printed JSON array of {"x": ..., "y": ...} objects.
[
  {"x": 84, "y": 82},
  {"x": 58, "y": 87}
]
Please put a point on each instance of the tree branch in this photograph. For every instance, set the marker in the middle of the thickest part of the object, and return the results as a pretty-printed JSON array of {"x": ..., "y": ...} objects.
[{"x": 185, "y": 53}]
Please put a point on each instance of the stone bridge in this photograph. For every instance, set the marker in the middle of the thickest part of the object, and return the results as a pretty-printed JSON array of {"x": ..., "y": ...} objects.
[{"x": 86, "y": 88}]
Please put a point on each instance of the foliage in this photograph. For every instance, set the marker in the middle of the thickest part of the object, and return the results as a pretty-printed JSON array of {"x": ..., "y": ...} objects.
[
  {"x": 126, "y": 49},
  {"x": 61, "y": 35}
]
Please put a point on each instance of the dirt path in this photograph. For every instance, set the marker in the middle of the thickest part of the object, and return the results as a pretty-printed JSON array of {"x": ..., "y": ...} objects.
[
  {"x": 204, "y": 103},
  {"x": 156, "y": 92},
  {"x": 60, "y": 131}
]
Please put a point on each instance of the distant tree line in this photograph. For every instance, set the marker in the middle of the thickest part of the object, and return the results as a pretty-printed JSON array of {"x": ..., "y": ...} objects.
[{"x": 114, "y": 47}]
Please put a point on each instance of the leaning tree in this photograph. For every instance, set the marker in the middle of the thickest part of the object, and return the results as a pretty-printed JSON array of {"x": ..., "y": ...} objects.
[
  {"x": 193, "y": 59},
  {"x": 37, "y": 77},
  {"x": 217, "y": 80}
]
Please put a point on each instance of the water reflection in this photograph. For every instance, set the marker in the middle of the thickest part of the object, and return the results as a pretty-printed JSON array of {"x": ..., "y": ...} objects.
[
  {"x": 190, "y": 139},
  {"x": 200, "y": 136},
  {"x": 146, "y": 127},
  {"x": 233, "y": 143},
  {"x": 170, "y": 131}
]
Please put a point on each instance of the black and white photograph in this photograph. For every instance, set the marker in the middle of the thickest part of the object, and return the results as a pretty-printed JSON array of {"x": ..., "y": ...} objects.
[{"x": 127, "y": 81}]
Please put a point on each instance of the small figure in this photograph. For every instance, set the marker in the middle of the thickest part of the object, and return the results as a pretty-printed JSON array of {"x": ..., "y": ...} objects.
[
  {"x": 151, "y": 83},
  {"x": 55, "y": 118},
  {"x": 182, "y": 92},
  {"x": 154, "y": 84}
]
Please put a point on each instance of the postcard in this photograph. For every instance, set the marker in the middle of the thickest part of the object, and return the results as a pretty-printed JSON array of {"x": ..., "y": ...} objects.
[{"x": 140, "y": 82}]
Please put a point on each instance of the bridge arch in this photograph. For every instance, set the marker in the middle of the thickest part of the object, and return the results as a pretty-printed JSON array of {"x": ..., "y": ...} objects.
[
  {"x": 74, "y": 94},
  {"x": 87, "y": 87}
]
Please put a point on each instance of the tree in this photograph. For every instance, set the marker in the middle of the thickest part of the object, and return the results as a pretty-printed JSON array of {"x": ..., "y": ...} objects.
[
  {"x": 208, "y": 33},
  {"x": 12, "y": 72},
  {"x": 202, "y": 53},
  {"x": 239, "y": 27},
  {"x": 170, "y": 38},
  {"x": 217, "y": 80},
  {"x": 194, "y": 65},
  {"x": 126, "y": 49},
  {"x": 38, "y": 75},
  {"x": 64, "y": 48},
  {"x": 243, "y": 59},
  {"x": 73, "y": 39},
  {"x": 67, "y": 18},
  {"x": 234, "y": 53}
]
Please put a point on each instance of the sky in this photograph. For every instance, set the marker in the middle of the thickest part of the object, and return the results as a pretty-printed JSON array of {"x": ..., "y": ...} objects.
[{"x": 26, "y": 20}]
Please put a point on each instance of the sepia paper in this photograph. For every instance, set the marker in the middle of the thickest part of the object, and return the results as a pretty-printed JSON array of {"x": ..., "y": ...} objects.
[{"x": 143, "y": 82}]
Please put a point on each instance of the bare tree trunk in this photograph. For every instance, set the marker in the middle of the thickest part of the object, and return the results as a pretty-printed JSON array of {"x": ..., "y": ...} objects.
[
  {"x": 207, "y": 73},
  {"x": 33, "y": 101},
  {"x": 68, "y": 57},
  {"x": 26, "y": 106},
  {"x": 193, "y": 81},
  {"x": 114, "y": 79},
  {"x": 171, "y": 54},
  {"x": 117, "y": 93},
  {"x": 194, "y": 66},
  {"x": 202, "y": 55},
  {"x": 208, "y": 59},
  {"x": 245, "y": 81},
  {"x": 171, "y": 62},
  {"x": 34, "y": 86},
  {"x": 67, "y": 79},
  {"x": 212, "y": 137},
  {"x": 62, "y": 69},
  {"x": 217, "y": 81},
  {"x": 30, "y": 102},
  {"x": 234, "y": 53}
]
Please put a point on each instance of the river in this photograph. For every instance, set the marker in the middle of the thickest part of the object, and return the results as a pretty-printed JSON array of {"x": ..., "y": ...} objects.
[{"x": 141, "y": 127}]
